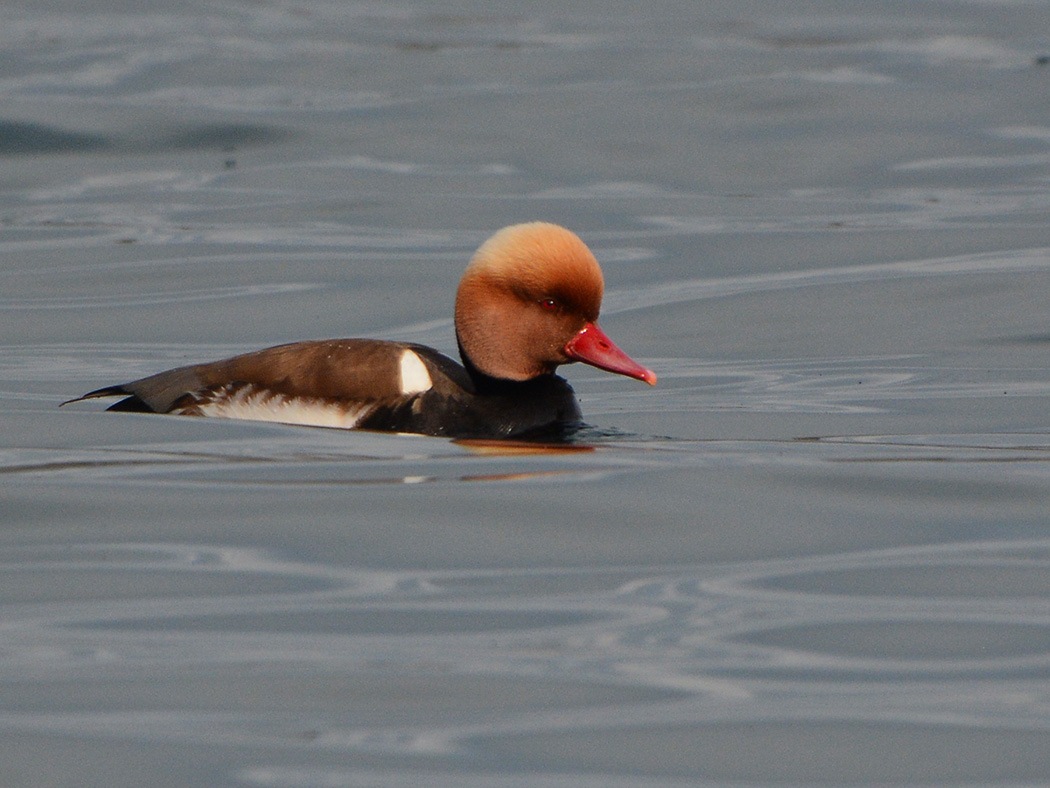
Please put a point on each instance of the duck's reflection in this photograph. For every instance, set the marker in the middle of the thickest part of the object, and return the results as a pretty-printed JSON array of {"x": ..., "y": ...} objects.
[{"x": 513, "y": 448}]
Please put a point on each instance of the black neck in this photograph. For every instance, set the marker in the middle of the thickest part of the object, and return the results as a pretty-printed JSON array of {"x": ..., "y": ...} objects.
[{"x": 493, "y": 386}]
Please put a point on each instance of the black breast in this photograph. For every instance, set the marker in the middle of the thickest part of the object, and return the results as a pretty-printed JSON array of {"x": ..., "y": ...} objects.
[{"x": 543, "y": 407}]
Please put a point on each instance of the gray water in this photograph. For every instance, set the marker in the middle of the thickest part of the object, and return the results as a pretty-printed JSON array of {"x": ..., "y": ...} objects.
[{"x": 817, "y": 553}]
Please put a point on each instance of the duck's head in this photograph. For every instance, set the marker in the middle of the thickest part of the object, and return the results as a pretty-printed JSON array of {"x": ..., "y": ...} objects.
[{"x": 529, "y": 301}]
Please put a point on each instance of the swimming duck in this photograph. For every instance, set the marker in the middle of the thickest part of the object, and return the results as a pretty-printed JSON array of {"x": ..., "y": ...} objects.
[{"x": 528, "y": 302}]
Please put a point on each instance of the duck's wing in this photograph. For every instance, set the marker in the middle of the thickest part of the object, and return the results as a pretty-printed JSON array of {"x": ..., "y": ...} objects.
[{"x": 331, "y": 382}]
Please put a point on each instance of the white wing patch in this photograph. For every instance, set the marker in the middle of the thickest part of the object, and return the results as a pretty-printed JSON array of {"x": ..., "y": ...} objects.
[
  {"x": 414, "y": 376},
  {"x": 253, "y": 404}
]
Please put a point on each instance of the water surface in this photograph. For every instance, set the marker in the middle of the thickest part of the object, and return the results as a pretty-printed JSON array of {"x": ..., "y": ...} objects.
[{"x": 814, "y": 554}]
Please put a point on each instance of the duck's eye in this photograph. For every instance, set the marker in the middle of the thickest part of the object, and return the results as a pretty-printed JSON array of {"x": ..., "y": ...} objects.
[{"x": 549, "y": 304}]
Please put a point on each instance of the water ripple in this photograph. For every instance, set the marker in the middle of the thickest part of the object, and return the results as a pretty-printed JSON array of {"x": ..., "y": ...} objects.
[{"x": 150, "y": 299}]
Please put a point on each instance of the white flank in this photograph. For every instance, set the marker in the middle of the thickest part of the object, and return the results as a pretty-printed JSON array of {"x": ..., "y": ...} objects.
[
  {"x": 414, "y": 376},
  {"x": 254, "y": 405}
]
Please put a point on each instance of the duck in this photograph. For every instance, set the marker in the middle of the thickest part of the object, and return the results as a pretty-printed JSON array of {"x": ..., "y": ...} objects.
[{"x": 527, "y": 303}]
